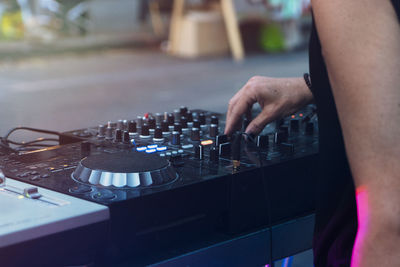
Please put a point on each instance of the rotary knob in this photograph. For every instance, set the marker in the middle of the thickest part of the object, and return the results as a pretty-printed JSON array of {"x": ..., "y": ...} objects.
[
  {"x": 171, "y": 119},
  {"x": 213, "y": 130},
  {"x": 139, "y": 121},
  {"x": 118, "y": 135},
  {"x": 184, "y": 122},
  {"x": 151, "y": 122},
  {"x": 126, "y": 138},
  {"x": 132, "y": 127},
  {"x": 102, "y": 131},
  {"x": 145, "y": 133},
  {"x": 120, "y": 124},
  {"x": 189, "y": 116},
  {"x": 109, "y": 133},
  {"x": 202, "y": 119},
  {"x": 158, "y": 134},
  {"x": 183, "y": 110},
  {"x": 176, "y": 138},
  {"x": 159, "y": 118},
  {"x": 178, "y": 127},
  {"x": 214, "y": 120},
  {"x": 164, "y": 126},
  {"x": 195, "y": 134},
  {"x": 196, "y": 123}
]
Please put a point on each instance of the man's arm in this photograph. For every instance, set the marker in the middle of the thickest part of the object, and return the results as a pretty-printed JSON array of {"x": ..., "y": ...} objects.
[{"x": 361, "y": 46}]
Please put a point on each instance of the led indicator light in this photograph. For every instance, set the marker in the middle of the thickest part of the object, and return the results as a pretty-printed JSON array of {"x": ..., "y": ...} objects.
[
  {"x": 207, "y": 142},
  {"x": 152, "y": 146},
  {"x": 149, "y": 151},
  {"x": 293, "y": 116},
  {"x": 161, "y": 148},
  {"x": 141, "y": 149}
]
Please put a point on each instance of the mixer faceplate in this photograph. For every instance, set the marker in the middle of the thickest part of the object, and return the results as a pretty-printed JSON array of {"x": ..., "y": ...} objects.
[{"x": 125, "y": 170}]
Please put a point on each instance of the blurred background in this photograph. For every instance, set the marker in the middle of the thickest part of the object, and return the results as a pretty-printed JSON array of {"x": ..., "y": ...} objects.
[{"x": 70, "y": 64}]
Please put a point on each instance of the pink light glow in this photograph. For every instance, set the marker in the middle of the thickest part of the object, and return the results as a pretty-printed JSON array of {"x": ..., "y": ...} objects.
[{"x": 363, "y": 221}]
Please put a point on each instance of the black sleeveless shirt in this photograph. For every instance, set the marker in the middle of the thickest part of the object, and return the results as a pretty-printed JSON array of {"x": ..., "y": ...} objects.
[{"x": 336, "y": 213}]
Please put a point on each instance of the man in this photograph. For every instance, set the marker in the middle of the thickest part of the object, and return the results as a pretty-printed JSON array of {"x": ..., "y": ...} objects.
[{"x": 355, "y": 75}]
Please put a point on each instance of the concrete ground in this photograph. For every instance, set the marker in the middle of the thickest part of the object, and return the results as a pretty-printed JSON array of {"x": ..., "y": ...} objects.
[{"x": 71, "y": 91}]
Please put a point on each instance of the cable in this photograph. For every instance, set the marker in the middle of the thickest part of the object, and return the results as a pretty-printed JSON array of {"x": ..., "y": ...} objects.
[
  {"x": 5, "y": 143},
  {"x": 39, "y": 140},
  {"x": 30, "y": 129}
]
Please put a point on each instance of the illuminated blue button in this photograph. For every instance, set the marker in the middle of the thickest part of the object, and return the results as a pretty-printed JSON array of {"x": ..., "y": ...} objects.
[
  {"x": 141, "y": 148},
  {"x": 187, "y": 146},
  {"x": 149, "y": 151},
  {"x": 152, "y": 146},
  {"x": 162, "y": 148}
]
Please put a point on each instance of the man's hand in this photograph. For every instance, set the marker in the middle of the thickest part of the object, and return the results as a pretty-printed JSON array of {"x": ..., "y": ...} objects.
[{"x": 278, "y": 97}]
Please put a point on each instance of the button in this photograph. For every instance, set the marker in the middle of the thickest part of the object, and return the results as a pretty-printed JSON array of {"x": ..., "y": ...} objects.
[
  {"x": 80, "y": 189},
  {"x": 152, "y": 146},
  {"x": 162, "y": 148},
  {"x": 104, "y": 195},
  {"x": 141, "y": 148},
  {"x": 162, "y": 155},
  {"x": 180, "y": 151},
  {"x": 151, "y": 151},
  {"x": 187, "y": 146}
]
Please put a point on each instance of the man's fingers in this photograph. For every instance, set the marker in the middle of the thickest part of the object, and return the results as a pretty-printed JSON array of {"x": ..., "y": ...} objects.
[
  {"x": 234, "y": 116},
  {"x": 258, "y": 123}
]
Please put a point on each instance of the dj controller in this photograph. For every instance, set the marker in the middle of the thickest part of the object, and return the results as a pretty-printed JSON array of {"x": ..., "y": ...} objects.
[{"x": 173, "y": 182}]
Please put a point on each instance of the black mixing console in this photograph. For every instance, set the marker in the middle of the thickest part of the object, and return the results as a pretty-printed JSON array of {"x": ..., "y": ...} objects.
[{"x": 174, "y": 182}]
